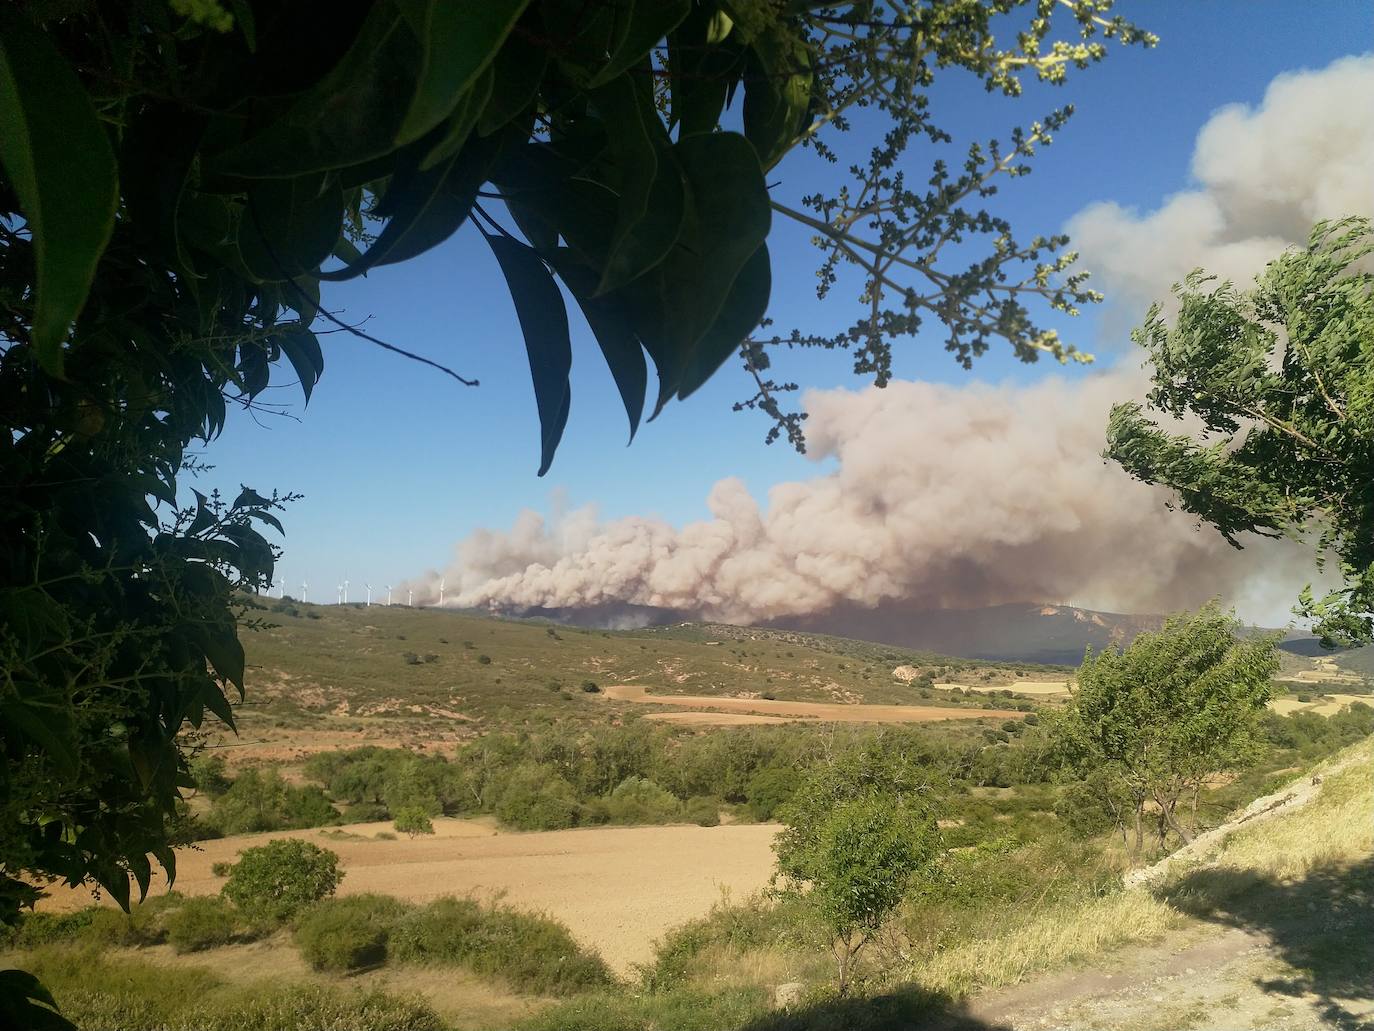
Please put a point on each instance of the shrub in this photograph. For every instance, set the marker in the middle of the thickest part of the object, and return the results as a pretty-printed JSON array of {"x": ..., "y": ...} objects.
[
  {"x": 770, "y": 788},
  {"x": 311, "y": 614},
  {"x": 346, "y": 934},
  {"x": 1304, "y": 697},
  {"x": 702, "y": 811},
  {"x": 534, "y": 797},
  {"x": 410, "y": 658},
  {"x": 208, "y": 772},
  {"x": 203, "y": 923},
  {"x": 533, "y": 953},
  {"x": 413, "y": 820},
  {"x": 221, "y": 867},
  {"x": 431, "y": 657},
  {"x": 589, "y": 686},
  {"x": 260, "y": 800},
  {"x": 384, "y": 836},
  {"x": 274, "y": 881},
  {"x": 1031, "y": 720},
  {"x": 637, "y": 800},
  {"x": 485, "y": 660}
]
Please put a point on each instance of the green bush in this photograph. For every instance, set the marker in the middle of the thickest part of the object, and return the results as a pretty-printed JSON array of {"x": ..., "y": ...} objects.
[
  {"x": 770, "y": 788},
  {"x": 350, "y": 933},
  {"x": 274, "y": 881},
  {"x": 533, "y": 953},
  {"x": 702, "y": 811},
  {"x": 637, "y": 800},
  {"x": 485, "y": 660},
  {"x": 535, "y": 797},
  {"x": 208, "y": 771},
  {"x": 203, "y": 923},
  {"x": 589, "y": 686},
  {"x": 260, "y": 800},
  {"x": 413, "y": 820}
]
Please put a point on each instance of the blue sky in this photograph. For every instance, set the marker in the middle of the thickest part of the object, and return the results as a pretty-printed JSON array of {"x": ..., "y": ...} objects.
[{"x": 397, "y": 463}]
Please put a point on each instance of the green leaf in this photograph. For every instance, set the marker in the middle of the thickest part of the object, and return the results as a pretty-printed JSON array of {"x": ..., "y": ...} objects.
[
  {"x": 462, "y": 122},
  {"x": 777, "y": 92},
  {"x": 225, "y": 654},
  {"x": 24, "y": 1002},
  {"x": 516, "y": 75},
  {"x": 58, "y": 160},
  {"x": 348, "y": 117},
  {"x": 621, "y": 348},
  {"x": 48, "y": 727},
  {"x": 290, "y": 226},
  {"x": 215, "y": 700},
  {"x": 459, "y": 41},
  {"x": 650, "y": 210},
  {"x": 648, "y": 22},
  {"x": 743, "y": 308},
  {"x": 302, "y": 350},
  {"x": 544, "y": 323},
  {"x": 703, "y": 73}
]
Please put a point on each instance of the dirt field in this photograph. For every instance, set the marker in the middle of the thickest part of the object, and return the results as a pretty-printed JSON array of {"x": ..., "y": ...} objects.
[
  {"x": 832, "y": 712},
  {"x": 617, "y": 888},
  {"x": 1329, "y": 706},
  {"x": 1034, "y": 688}
]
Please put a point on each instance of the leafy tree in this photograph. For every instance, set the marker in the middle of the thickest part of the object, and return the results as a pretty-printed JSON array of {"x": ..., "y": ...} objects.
[
  {"x": 273, "y": 882},
  {"x": 1281, "y": 379},
  {"x": 177, "y": 179},
  {"x": 1149, "y": 724},
  {"x": 413, "y": 820},
  {"x": 858, "y": 834}
]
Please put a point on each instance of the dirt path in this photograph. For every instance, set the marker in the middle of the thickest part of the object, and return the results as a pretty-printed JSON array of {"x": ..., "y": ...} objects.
[
  {"x": 833, "y": 712},
  {"x": 617, "y": 888}
]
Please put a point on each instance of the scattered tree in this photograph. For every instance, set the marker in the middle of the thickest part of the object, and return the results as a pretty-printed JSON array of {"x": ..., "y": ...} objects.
[
  {"x": 858, "y": 834},
  {"x": 1148, "y": 725},
  {"x": 273, "y": 882},
  {"x": 413, "y": 820},
  {"x": 1281, "y": 378}
]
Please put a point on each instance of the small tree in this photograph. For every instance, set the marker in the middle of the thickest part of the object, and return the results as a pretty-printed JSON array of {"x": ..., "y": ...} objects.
[
  {"x": 413, "y": 820},
  {"x": 859, "y": 832},
  {"x": 274, "y": 881},
  {"x": 1148, "y": 725}
]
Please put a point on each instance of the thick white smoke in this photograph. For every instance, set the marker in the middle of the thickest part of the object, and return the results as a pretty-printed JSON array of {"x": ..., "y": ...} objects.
[
  {"x": 955, "y": 497},
  {"x": 1264, "y": 175}
]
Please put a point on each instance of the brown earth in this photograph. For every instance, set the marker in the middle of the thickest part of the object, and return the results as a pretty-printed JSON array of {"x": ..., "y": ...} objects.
[
  {"x": 832, "y": 712},
  {"x": 617, "y": 888}
]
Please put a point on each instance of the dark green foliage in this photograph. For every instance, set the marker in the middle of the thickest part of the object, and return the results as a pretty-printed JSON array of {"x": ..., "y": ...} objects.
[
  {"x": 534, "y": 797},
  {"x": 485, "y": 660},
  {"x": 413, "y": 820},
  {"x": 770, "y": 789},
  {"x": 1279, "y": 378},
  {"x": 702, "y": 811},
  {"x": 260, "y": 800},
  {"x": 208, "y": 772},
  {"x": 273, "y": 882},
  {"x": 532, "y": 953},
  {"x": 345, "y": 934},
  {"x": 685, "y": 1009},
  {"x": 589, "y": 686},
  {"x": 203, "y": 923}
]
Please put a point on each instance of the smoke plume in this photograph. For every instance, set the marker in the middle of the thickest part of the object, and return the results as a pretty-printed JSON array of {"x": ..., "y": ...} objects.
[{"x": 983, "y": 494}]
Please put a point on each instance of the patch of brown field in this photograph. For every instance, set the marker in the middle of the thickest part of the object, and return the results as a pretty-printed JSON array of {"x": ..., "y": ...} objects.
[
  {"x": 617, "y": 888},
  {"x": 1025, "y": 687},
  {"x": 296, "y": 743},
  {"x": 830, "y": 712},
  {"x": 1327, "y": 706},
  {"x": 714, "y": 719}
]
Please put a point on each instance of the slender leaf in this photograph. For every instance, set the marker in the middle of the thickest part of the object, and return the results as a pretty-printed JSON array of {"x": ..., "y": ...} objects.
[
  {"x": 302, "y": 350},
  {"x": 648, "y": 22},
  {"x": 459, "y": 41},
  {"x": 743, "y": 308},
  {"x": 777, "y": 93},
  {"x": 59, "y": 162},
  {"x": 291, "y": 225},
  {"x": 544, "y": 323}
]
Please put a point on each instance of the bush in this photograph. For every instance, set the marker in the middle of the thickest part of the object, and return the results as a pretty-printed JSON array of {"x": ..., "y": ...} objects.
[
  {"x": 340, "y": 935},
  {"x": 413, "y": 820},
  {"x": 637, "y": 800},
  {"x": 274, "y": 881},
  {"x": 485, "y": 660},
  {"x": 203, "y": 923},
  {"x": 589, "y": 686},
  {"x": 769, "y": 789},
  {"x": 410, "y": 658},
  {"x": 534, "y": 797},
  {"x": 208, "y": 771},
  {"x": 702, "y": 811},
  {"x": 260, "y": 800},
  {"x": 533, "y": 953},
  {"x": 221, "y": 867}
]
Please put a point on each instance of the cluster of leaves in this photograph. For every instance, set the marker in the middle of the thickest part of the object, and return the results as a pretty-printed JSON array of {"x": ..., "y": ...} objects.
[
  {"x": 1151, "y": 723},
  {"x": 859, "y": 833},
  {"x": 273, "y": 882},
  {"x": 1281, "y": 378}
]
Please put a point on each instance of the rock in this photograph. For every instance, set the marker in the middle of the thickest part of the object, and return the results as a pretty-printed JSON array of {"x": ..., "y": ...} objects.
[{"x": 785, "y": 995}]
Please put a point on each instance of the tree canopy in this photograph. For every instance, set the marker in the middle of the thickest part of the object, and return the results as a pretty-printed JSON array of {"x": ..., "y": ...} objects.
[
  {"x": 1280, "y": 379},
  {"x": 1150, "y": 723},
  {"x": 181, "y": 176}
]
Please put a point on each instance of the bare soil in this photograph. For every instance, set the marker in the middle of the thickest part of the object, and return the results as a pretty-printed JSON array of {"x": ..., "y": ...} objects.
[
  {"x": 617, "y": 888},
  {"x": 832, "y": 712}
]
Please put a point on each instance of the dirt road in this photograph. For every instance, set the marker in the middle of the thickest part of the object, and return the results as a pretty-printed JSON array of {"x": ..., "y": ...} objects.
[
  {"x": 617, "y": 888},
  {"x": 832, "y": 712}
]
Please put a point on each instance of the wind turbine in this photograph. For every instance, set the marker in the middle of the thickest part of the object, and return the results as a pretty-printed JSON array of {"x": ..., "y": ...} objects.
[
  {"x": 304, "y": 587},
  {"x": 410, "y": 598},
  {"x": 388, "y": 595},
  {"x": 339, "y": 593},
  {"x": 442, "y": 581},
  {"x": 369, "y": 593},
  {"x": 345, "y": 591}
]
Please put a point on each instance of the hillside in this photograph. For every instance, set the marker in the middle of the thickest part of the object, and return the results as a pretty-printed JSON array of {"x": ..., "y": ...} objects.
[{"x": 333, "y": 676}]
